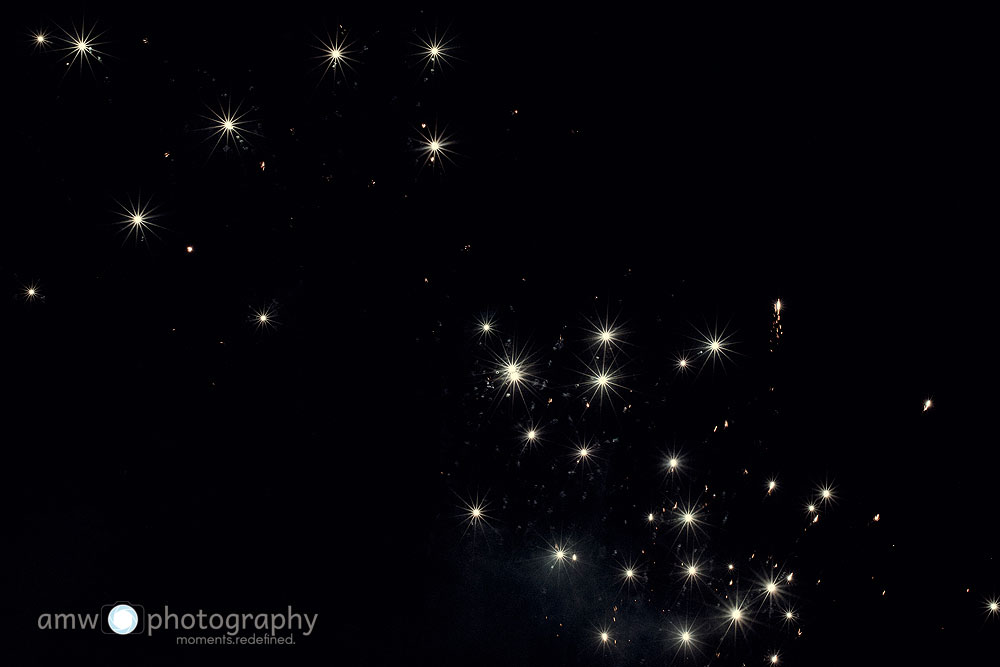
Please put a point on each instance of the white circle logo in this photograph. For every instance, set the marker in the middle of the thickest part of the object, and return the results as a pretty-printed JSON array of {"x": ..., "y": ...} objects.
[{"x": 123, "y": 619}]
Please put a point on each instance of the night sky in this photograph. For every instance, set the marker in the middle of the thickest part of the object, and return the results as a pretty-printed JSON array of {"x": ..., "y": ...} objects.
[{"x": 666, "y": 176}]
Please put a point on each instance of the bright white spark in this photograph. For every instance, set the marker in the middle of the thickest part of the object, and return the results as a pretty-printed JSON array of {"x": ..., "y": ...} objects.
[
  {"x": 811, "y": 508},
  {"x": 826, "y": 494},
  {"x": 435, "y": 51},
  {"x": 688, "y": 520},
  {"x": 993, "y": 607},
  {"x": 264, "y": 318},
  {"x": 774, "y": 659},
  {"x": 650, "y": 518},
  {"x": 927, "y": 405},
  {"x": 80, "y": 44},
  {"x": 474, "y": 513},
  {"x": 137, "y": 218},
  {"x": 434, "y": 146},
  {"x": 605, "y": 637},
  {"x": 513, "y": 373},
  {"x": 716, "y": 345},
  {"x": 228, "y": 126},
  {"x": 335, "y": 52},
  {"x": 772, "y": 485},
  {"x": 603, "y": 381},
  {"x": 31, "y": 292}
]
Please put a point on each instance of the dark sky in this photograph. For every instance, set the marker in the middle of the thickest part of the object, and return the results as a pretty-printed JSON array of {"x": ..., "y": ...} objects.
[{"x": 674, "y": 169}]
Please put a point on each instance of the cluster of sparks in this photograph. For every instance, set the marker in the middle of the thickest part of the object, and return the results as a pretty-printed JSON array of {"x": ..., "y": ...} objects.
[{"x": 725, "y": 613}]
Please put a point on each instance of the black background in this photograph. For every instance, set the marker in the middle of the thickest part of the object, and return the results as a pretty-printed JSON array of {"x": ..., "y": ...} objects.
[{"x": 682, "y": 168}]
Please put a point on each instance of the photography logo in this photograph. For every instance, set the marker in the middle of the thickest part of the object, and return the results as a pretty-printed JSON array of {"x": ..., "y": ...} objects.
[{"x": 122, "y": 618}]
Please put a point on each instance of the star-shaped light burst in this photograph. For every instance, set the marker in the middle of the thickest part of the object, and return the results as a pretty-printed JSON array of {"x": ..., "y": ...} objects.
[
  {"x": 40, "y": 39},
  {"x": 715, "y": 345},
  {"x": 584, "y": 453},
  {"x": 474, "y": 513},
  {"x": 605, "y": 333},
  {"x": 30, "y": 292},
  {"x": 531, "y": 436},
  {"x": 685, "y": 639},
  {"x": 264, "y": 318},
  {"x": 560, "y": 554},
  {"x": 993, "y": 607},
  {"x": 682, "y": 363},
  {"x": 486, "y": 326},
  {"x": 602, "y": 381},
  {"x": 773, "y": 659},
  {"x": 80, "y": 45},
  {"x": 826, "y": 494},
  {"x": 513, "y": 372},
  {"x": 771, "y": 589},
  {"x": 335, "y": 52},
  {"x": 435, "y": 51},
  {"x": 434, "y": 146},
  {"x": 137, "y": 219},
  {"x": 692, "y": 570},
  {"x": 772, "y": 486},
  {"x": 629, "y": 573},
  {"x": 737, "y": 615},
  {"x": 228, "y": 127},
  {"x": 688, "y": 520}
]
